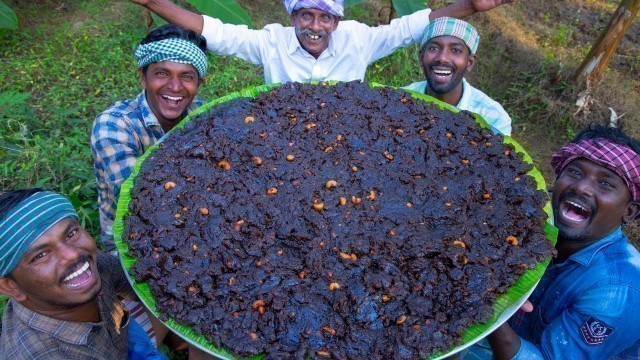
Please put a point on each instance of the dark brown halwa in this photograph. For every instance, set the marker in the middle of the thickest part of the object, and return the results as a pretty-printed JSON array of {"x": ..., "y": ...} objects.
[{"x": 333, "y": 221}]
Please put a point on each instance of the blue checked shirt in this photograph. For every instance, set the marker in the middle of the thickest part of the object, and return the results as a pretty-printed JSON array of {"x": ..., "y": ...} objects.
[
  {"x": 120, "y": 135},
  {"x": 587, "y": 307},
  {"x": 476, "y": 101}
]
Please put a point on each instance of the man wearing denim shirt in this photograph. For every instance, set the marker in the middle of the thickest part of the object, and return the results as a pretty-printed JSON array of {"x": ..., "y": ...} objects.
[{"x": 587, "y": 304}]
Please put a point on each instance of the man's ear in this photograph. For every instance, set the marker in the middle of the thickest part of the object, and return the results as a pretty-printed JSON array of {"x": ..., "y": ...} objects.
[
  {"x": 143, "y": 82},
  {"x": 632, "y": 212},
  {"x": 201, "y": 81},
  {"x": 471, "y": 62},
  {"x": 10, "y": 287},
  {"x": 420, "y": 55},
  {"x": 292, "y": 19},
  {"x": 335, "y": 25}
]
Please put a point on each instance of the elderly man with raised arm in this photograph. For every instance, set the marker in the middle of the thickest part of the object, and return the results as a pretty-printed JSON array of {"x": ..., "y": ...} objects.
[{"x": 318, "y": 45}]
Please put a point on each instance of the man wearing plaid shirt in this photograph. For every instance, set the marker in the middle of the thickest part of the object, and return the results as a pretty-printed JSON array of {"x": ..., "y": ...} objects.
[
  {"x": 172, "y": 64},
  {"x": 65, "y": 295},
  {"x": 587, "y": 304},
  {"x": 447, "y": 53}
]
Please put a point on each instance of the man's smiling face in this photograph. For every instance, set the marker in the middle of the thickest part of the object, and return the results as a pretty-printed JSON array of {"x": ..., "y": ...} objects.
[
  {"x": 59, "y": 270},
  {"x": 313, "y": 29},
  {"x": 444, "y": 61},
  {"x": 590, "y": 201},
  {"x": 170, "y": 89}
]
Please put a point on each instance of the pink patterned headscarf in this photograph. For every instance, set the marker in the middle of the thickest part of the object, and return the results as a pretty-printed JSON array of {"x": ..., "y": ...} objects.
[
  {"x": 334, "y": 7},
  {"x": 618, "y": 158}
]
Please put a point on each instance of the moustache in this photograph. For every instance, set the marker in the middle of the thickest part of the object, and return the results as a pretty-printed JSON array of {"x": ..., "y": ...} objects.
[
  {"x": 75, "y": 266},
  {"x": 446, "y": 65},
  {"x": 305, "y": 32}
]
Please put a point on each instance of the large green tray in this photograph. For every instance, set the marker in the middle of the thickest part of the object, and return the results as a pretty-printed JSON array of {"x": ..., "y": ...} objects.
[{"x": 504, "y": 307}]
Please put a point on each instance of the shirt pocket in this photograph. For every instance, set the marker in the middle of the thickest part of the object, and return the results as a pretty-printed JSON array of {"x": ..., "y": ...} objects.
[{"x": 539, "y": 323}]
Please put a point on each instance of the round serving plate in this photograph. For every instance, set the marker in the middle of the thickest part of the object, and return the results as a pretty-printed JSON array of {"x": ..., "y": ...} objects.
[{"x": 505, "y": 306}]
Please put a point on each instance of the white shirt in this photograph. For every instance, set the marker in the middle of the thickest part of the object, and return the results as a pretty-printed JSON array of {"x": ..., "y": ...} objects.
[
  {"x": 352, "y": 47},
  {"x": 478, "y": 102}
]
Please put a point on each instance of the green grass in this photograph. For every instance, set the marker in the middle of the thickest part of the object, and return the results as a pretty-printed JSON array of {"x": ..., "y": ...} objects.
[
  {"x": 68, "y": 61},
  {"x": 58, "y": 75},
  {"x": 55, "y": 79}
]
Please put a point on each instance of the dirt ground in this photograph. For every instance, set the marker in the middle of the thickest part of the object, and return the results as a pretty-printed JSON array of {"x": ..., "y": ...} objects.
[{"x": 556, "y": 36}]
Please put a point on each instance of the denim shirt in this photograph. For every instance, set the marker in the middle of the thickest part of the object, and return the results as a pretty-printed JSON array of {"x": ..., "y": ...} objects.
[{"x": 587, "y": 307}]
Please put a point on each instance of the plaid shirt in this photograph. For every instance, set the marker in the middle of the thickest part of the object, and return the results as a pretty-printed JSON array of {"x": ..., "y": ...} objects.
[
  {"x": 120, "y": 135},
  {"x": 29, "y": 335},
  {"x": 476, "y": 101}
]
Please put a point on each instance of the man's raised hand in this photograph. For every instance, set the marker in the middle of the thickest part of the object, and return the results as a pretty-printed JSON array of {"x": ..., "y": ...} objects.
[
  {"x": 141, "y": 2},
  {"x": 486, "y": 5}
]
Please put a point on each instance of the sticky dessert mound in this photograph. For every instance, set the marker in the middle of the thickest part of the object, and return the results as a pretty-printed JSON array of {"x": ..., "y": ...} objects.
[{"x": 343, "y": 222}]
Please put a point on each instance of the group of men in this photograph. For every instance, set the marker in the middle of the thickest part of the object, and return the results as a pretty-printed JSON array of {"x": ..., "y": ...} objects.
[{"x": 66, "y": 296}]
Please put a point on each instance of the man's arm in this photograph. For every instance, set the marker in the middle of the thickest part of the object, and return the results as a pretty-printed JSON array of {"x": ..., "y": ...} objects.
[
  {"x": 464, "y": 8},
  {"x": 504, "y": 342},
  {"x": 601, "y": 323},
  {"x": 192, "y": 21},
  {"x": 115, "y": 148},
  {"x": 173, "y": 13}
]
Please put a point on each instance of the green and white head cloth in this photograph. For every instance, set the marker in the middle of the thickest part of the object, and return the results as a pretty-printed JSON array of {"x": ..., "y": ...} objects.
[
  {"x": 26, "y": 222},
  {"x": 175, "y": 50},
  {"x": 446, "y": 26}
]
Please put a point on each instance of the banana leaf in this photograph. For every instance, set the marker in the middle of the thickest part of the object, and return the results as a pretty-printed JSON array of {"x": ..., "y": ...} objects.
[
  {"x": 8, "y": 19},
  {"x": 504, "y": 307},
  {"x": 228, "y": 11},
  {"x": 406, "y": 7}
]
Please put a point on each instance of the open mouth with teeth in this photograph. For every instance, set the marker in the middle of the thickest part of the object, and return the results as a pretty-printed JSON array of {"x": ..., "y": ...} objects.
[
  {"x": 571, "y": 211},
  {"x": 172, "y": 101},
  {"x": 80, "y": 277},
  {"x": 442, "y": 72}
]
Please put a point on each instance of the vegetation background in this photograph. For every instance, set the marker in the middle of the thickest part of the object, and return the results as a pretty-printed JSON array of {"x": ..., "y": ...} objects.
[{"x": 70, "y": 59}]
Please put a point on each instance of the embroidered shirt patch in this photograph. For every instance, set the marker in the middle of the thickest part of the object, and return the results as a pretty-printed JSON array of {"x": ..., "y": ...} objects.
[{"x": 594, "y": 331}]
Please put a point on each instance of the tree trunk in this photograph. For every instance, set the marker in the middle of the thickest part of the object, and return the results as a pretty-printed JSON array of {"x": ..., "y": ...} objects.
[{"x": 601, "y": 52}]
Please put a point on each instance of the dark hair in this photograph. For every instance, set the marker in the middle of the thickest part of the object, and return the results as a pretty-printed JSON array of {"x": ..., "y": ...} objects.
[
  {"x": 612, "y": 134},
  {"x": 171, "y": 31},
  {"x": 11, "y": 199}
]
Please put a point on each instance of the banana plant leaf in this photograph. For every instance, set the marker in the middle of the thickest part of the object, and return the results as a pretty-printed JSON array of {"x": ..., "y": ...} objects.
[
  {"x": 228, "y": 11},
  {"x": 406, "y": 7},
  {"x": 504, "y": 307},
  {"x": 8, "y": 19}
]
